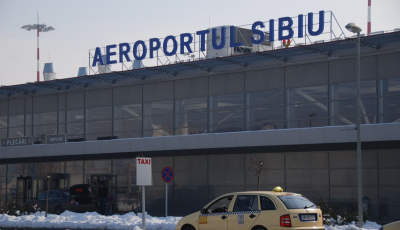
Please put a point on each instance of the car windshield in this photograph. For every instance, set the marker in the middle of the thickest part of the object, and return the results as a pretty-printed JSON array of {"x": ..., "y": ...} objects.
[{"x": 296, "y": 202}]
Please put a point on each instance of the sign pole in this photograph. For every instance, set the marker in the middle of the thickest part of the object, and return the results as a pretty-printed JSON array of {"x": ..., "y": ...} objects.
[
  {"x": 143, "y": 210},
  {"x": 166, "y": 199}
]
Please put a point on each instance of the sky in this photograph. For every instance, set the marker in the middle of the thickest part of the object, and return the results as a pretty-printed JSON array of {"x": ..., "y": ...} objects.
[{"x": 83, "y": 25}]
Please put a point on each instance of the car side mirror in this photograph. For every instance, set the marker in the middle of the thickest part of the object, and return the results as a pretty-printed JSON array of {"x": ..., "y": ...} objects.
[{"x": 203, "y": 211}]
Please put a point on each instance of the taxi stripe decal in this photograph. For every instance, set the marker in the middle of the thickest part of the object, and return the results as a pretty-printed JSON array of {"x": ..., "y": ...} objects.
[{"x": 230, "y": 213}]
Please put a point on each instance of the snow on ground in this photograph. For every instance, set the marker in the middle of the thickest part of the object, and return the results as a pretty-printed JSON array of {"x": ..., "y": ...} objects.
[{"x": 129, "y": 221}]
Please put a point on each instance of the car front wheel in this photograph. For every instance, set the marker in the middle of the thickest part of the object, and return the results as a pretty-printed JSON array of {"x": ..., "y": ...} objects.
[{"x": 58, "y": 210}]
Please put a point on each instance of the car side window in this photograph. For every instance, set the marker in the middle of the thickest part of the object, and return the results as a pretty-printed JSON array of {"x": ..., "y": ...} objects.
[
  {"x": 42, "y": 196},
  {"x": 266, "y": 203},
  {"x": 220, "y": 205},
  {"x": 246, "y": 203},
  {"x": 53, "y": 195}
]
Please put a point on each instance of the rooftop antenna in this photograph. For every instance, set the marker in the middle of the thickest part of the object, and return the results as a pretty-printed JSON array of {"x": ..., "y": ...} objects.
[{"x": 369, "y": 18}]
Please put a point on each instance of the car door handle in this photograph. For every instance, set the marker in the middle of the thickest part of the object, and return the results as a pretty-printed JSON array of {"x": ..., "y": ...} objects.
[
  {"x": 252, "y": 216},
  {"x": 223, "y": 217}
]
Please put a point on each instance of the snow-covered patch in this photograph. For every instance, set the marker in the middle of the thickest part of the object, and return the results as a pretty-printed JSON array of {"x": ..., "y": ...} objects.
[
  {"x": 89, "y": 220},
  {"x": 367, "y": 225},
  {"x": 129, "y": 221}
]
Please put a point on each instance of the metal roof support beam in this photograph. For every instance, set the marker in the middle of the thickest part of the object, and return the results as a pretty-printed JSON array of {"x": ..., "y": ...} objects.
[
  {"x": 49, "y": 85},
  {"x": 195, "y": 66},
  {"x": 72, "y": 83},
  {"x": 112, "y": 81},
  {"x": 244, "y": 64},
  {"x": 271, "y": 56},
  {"x": 131, "y": 75},
  {"x": 162, "y": 71},
  {"x": 367, "y": 44},
  {"x": 6, "y": 93},
  {"x": 328, "y": 53},
  {"x": 17, "y": 90}
]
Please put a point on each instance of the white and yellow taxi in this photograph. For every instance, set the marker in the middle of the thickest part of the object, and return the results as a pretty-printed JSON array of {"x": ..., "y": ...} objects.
[{"x": 260, "y": 210}]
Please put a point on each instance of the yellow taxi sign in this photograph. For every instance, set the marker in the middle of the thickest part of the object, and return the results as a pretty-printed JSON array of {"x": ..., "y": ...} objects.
[{"x": 277, "y": 189}]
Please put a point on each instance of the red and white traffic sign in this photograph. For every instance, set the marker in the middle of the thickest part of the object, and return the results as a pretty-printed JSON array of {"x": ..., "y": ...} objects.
[{"x": 143, "y": 171}]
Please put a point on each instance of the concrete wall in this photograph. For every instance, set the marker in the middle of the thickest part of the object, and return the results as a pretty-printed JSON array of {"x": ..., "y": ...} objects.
[{"x": 331, "y": 175}]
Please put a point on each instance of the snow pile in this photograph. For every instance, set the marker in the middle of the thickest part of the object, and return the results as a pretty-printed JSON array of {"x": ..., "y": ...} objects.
[
  {"x": 368, "y": 225},
  {"x": 93, "y": 220},
  {"x": 89, "y": 220}
]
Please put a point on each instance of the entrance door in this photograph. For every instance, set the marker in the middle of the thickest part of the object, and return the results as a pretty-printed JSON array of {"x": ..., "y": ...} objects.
[{"x": 24, "y": 190}]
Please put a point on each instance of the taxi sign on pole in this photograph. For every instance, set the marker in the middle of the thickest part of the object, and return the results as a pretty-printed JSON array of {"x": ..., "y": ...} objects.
[
  {"x": 143, "y": 171},
  {"x": 167, "y": 174}
]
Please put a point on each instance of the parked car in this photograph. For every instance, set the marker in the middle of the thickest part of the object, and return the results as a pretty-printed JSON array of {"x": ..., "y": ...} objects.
[
  {"x": 76, "y": 199},
  {"x": 260, "y": 210}
]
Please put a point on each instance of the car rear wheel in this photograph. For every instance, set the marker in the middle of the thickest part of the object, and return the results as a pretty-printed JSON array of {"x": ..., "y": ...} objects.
[
  {"x": 58, "y": 210},
  {"x": 188, "y": 227},
  {"x": 259, "y": 228}
]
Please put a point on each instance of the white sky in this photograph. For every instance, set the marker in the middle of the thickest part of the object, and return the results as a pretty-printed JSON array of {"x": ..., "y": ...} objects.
[{"x": 85, "y": 24}]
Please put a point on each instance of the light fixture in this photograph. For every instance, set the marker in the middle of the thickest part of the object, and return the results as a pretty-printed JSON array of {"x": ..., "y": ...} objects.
[{"x": 352, "y": 27}]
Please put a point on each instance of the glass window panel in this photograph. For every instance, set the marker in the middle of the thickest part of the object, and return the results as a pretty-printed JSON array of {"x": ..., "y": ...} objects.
[
  {"x": 349, "y": 90},
  {"x": 191, "y": 130},
  {"x": 45, "y": 118},
  {"x": 158, "y": 132},
  {"x": 103, "y": 166},
  {"x": 75, "y": 128},
  {"x": 305, "y": 111},
  {"x": 3, "y": 183},
  {"x": 265, "y": 114},
  {"x": 389, "y": 104},
  {"x": 99, "y": 126},
  {"x": 190, "y": 119},
  {"x": 61, "y": 116},
  {"x": 17, "y": 120},
  {"x": 274, "y": 97},
  {"x": 246, "y": 203},
  {"x": 158, "y": 122},
  {"x": 349, "y": 107},
  {"x": 16, "y": 132},
  {"x": 128, "y": 124},
  {"x": 3, "y": 133},
  {"x": 75, "y": 179},
  {"x": 266, "y": 125},
  {"x": 366, "y": 119},
  {"x": 389, "y": 86},
  {"x": 75, "y": 115},
  {"x": 3, "y": 122},
  {"x": 44, "y": 130},
  {"x": 134, "y": 134},
  {"x": 28, "y": 131},
  {"x": 3, "y": 170},
  {"x": 74, "y": 167},
  {"x": 191, "y": 105},
  {"x": 98, "y": 136},
  {"x": 75, "y": 138},
  {"x": 103, "y": 113},
  {"x": 124, "y": 166},
  {"x": 160, "y": 107},
  {"x": 307, "y": 94},
  {"x": 226, "y": 128},
  {"x": 307, "y": 123},
  {"x": 15, "y": 169},
  {"x": 389, "y": 118},
  {"x": 28, "y": 119},
  {"x": 123, "y": 111},
  {"x": 226, "y": 117},
  {"x": 61, "y": 128},
  {"x": 226, "y": 102}
]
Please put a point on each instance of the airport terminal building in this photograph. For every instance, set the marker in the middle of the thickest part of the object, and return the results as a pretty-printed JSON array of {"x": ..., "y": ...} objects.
[{"x": 294, "y": 108}]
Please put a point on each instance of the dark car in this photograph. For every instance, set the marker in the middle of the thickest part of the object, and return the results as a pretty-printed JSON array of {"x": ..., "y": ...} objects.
[{"x": 76, "y": 199}]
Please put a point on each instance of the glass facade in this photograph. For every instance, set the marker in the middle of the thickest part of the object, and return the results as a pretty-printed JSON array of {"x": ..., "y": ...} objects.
[{"x": 313, "y": 106}]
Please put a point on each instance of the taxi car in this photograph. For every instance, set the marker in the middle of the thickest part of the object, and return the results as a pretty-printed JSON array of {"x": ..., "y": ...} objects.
[
  {"x": 391, "y": 226},
  {"x": 259, "y": 210}
]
